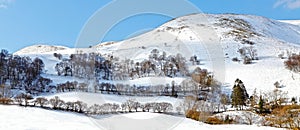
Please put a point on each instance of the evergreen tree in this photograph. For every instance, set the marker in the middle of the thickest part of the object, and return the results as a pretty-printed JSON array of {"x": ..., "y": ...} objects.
[
  {"x": 294, "y": 100},
  {"x": 239, "y": 95},
  {"x": 261, "y": 104}
]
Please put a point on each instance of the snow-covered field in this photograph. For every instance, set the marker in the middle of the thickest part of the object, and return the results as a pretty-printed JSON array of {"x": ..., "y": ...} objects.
[
  {"x": 20, "y": 118},
  {"x": 97, "y": 98}
]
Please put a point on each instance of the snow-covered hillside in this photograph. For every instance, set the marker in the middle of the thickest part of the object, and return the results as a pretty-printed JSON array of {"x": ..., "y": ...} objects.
[
  {"x": 36, "y": 49},
  {"x": 182, "y": 35},
  {"x": 194, "y": 35},
  {"x": 214, "y": 39},
  {"x": 295, "y": 22},
  {"x": 20, "y": 118}
]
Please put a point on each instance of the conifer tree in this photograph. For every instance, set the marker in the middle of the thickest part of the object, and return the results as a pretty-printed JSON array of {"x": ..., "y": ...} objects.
[
  {"x": 239, "y": 95},
  {"x": 261, "y": 104}
]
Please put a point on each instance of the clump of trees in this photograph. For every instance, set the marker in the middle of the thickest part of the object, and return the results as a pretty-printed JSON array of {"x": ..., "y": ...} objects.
[
  {"x": 197, "y": 109},
  {"x": 195, "y": 61},
  {"x": 23, "y": 73},
  {"x": 5, "y": 95},
  {"x": 57, "y": 55},
  {"x": 248, "y": 54},
  {"x": 160, "y": 107},
  {"x": 72, "y": 86},
  {"x": 285, "y": 117},
  {"x": 293, "y": 63},
  {"x": 109, "y": 67}
]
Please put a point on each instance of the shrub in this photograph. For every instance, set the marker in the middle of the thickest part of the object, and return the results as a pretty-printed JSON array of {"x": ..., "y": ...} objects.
[
  {"x": 5, "y": 101},
  {"x": 193, "y": 115},
  {"x": 293, "y": 63},
  {"x": 214, "y": 121},
  {"x": 235, "y": 59}
]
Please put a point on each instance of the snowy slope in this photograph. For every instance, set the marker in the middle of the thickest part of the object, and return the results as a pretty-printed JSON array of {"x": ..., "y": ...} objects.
[
  {"x": 182, "y": 35},
  {"x": 20, "y": 118},
  {"x": 39, "y": 49},
  {"x": 39, "y": 119},
  {"x": 295, "y": 22},
  {"x": 202, "y": 35}
]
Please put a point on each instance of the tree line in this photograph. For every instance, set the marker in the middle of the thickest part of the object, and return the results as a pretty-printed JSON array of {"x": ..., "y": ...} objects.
[
  {"x": 22, "y": 73},
  {"x": 109, "y": 67},
  {"x": 55, "y": 103}
]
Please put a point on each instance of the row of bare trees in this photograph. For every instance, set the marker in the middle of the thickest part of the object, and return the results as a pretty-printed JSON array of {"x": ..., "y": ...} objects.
[
  {"x": 56, "y": 103},
  {"x": 108, "y": 67},
  {"x": 72, "y": 86},
  {"x": 201, "y": 84}
]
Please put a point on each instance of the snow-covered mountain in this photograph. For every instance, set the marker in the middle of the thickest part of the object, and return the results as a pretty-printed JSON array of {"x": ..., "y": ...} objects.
[
  {"x": 37, "y": 49},
  {"x": 191, "y": 35},
  {"x": 194, "y": 35}
]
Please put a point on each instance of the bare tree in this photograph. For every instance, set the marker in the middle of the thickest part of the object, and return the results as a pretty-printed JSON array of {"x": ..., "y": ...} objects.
[
  {"x": 136, "y": 105},
  {"x": 250, "y": 117},
  {"x": 115, "y": 107},
  {"x": 166, "y": 107},
  {"x": 5, "y": 91},
  {"x": 189, "y": 103},
  {"x": 276, "y": 97},
  {"x": 129, "y": 105},
  {"x": 179, "y": 108},
  {"x": 147, "y": 107},
  {"x": 80, "y": 106},
  {"x": 54, "y": 102},
  {"x": 69, "y": 106},
  {"x": 225, "y": 100},
  {"x": 41, "y": 101}
]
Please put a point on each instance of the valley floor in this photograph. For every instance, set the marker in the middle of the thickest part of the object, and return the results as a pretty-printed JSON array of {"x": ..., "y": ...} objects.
[{"x": 21, "y": 118}]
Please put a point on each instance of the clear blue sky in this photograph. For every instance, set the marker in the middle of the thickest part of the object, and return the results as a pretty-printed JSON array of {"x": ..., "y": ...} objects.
[{"x": 59, "y": 22}]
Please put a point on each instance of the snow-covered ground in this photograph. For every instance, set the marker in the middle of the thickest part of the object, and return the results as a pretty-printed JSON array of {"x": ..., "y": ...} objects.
[
  {"x": 295, "y": 22},
  {"x": 20, "y": 118},
  {"x": 98, "y": 98}
]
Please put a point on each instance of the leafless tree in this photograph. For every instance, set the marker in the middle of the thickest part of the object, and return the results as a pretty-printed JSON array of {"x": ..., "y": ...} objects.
[
  {"x": 54, "y": 102},
  {"x": 41, "y": 101},
  {"x": 5, "y": 91},
  {"x": 250, "y": 117},
  {"x": 80, "y": 106}
]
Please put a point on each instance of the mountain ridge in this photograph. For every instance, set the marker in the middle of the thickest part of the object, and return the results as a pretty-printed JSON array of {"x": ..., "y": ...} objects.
[{"x": 232, "y": 32}]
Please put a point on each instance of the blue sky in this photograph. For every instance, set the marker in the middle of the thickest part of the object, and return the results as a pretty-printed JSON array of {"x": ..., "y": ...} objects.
[{"x": 59, "y": 22}]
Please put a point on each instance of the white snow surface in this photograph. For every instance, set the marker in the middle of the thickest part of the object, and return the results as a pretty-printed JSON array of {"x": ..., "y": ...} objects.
[
  {"x": 39, "y": 48},
  {"x": 295, "y": 22},
  {"x": 98, "y": 98},
  {"x": 20, "y": 118}
]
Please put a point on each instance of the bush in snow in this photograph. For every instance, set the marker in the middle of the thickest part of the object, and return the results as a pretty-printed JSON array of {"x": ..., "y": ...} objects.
[
  {"x": 248, "y": 54},
  {"x": 293, "y": 63}
]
